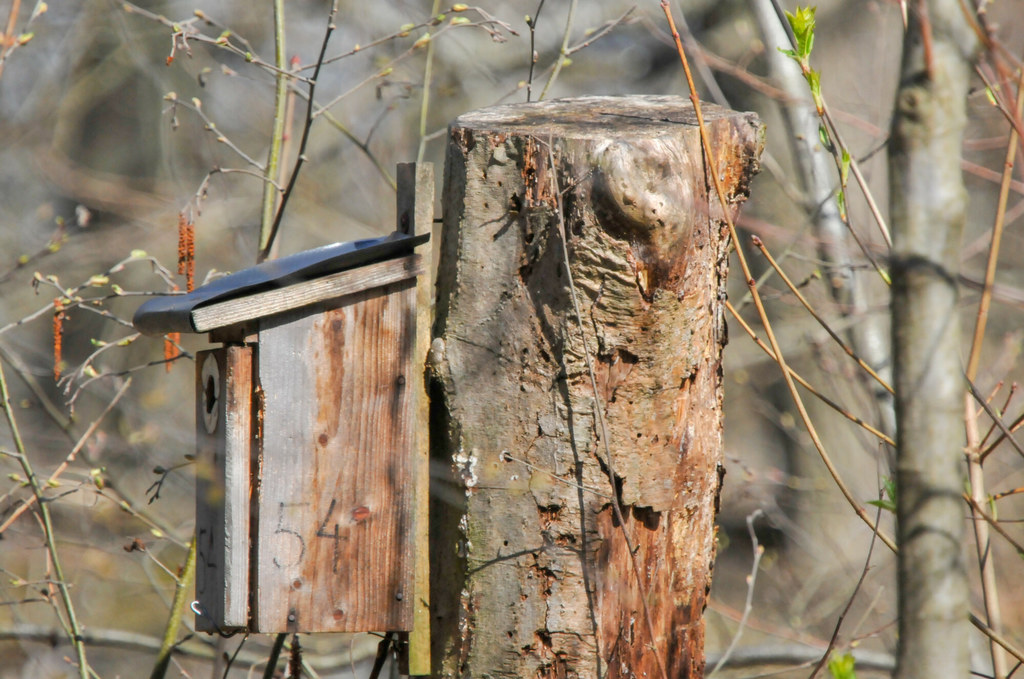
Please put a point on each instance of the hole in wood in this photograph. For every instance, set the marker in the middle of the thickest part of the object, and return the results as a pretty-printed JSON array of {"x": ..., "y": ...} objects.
[
  {"x": 210, "y": 395},
  {"x": 210, "y": 386}
]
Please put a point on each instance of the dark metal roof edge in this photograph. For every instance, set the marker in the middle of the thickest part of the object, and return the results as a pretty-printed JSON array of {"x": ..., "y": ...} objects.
[{"x": 173, "y": 313}]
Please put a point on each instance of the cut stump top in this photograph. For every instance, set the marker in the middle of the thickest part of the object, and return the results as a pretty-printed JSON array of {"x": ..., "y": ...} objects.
[{"x": 593, "y": 117}]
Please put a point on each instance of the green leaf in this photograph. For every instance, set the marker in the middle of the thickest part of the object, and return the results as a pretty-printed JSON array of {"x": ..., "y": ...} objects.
[
  {"x": 824, "y": 139},
  {"x": 841, "y": 666},
  {"x": 884, "y": 504},
  {"x": 814, "y": 82},
  {"x": 841, "y": 202},
  {"x": 802, "y": 23},
  {"x": 844, "y": 167},
  {"x": 888, "y": 500}
]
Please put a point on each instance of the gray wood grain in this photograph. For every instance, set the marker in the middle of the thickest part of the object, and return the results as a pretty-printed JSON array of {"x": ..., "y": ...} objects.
[
  {"x": 334, "y": 540},
  {"x": 234, "y": 311},
  {"x": 223, "y": 432}
]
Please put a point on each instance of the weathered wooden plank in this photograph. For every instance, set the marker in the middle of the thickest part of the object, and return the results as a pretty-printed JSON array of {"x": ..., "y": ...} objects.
[
  {"x": 415, "y": 217},
  {"x": 223, "y": 433},
  {"x": 222, "y": 314},
  {"x": 334, "y": 533}
]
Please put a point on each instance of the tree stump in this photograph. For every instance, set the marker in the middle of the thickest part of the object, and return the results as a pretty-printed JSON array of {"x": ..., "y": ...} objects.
[{"x": 532, "y": 574}]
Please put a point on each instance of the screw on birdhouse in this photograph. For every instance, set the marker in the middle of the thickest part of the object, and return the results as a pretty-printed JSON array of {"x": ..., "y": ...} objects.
[{"x": 399, "y": 596}]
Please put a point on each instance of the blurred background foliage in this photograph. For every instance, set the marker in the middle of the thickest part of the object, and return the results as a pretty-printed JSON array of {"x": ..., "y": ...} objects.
[{"x": 97, "y": 163}]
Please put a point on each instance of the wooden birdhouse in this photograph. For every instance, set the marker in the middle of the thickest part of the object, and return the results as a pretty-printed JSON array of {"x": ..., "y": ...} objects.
[{"x": 306, "y": 422}]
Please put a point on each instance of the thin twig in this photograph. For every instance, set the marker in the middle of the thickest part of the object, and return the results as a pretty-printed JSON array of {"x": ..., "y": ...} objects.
[
  {"x": 756, "y": 296},
  {"x": 382, "y": 655},
  {"x": 748, "y": 604},
  {"x": 234, "y": 656},
  {"x": 492, "y": 25},
  {"x": 982, "y": 541},
  {"x": 1004, "y": 432},
  {"x": 840, "y": 144},
  {"x": 295, "y": 658},
  {"x": 196, "y": 106},
  {"x": 75, "y": 631},
  {"x": 996, "y": 637},
  {"x": 8, "y": 35},
  {"x": 364, "y": 147},
  {"x": 197, "y": 647},
  {"x": 428, "y": 72},
  {"x": 849, "y": 602},
  {"x": 274, "y": 160},
  {"x": 1007, "y": 434},
  {"x": 531, "y": 23},
  {"x": 182, "y": 588},
  {"x": 30, "y": 501},
  {"x": 272, "y": 235},
  {"x": 184, "y": 30},
  {"x": 759, "y": 244},
  {"x": 562, "y": 51},
  {"x": 1011, "y": 392},
  {"x": 882, "y": 436},
  {"x": 985, "y": 302},
  {"x": 275, "y": 651},
  {"x": 979, "y": 510}
]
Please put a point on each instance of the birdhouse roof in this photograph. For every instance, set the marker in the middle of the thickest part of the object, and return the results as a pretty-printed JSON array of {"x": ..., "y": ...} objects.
[{"x": 177, "y": 313}]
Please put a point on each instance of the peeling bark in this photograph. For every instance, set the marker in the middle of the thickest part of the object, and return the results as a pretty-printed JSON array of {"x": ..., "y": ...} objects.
[{"x": 531, "y": 573}]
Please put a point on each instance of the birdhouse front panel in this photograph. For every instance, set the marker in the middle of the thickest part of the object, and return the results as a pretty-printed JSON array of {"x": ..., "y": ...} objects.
[{"x": 335, "y": 423}]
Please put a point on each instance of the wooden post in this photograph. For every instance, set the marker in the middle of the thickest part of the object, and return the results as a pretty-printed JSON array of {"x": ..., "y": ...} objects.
[
  {"x": 531, "y": 571},
  {"x": 415, "y": 216}
]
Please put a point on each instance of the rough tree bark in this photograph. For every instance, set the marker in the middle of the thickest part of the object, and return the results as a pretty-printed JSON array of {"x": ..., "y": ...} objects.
[
  {"x": 928, "y": 207},
  {"x": 532, "y": 576}
]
